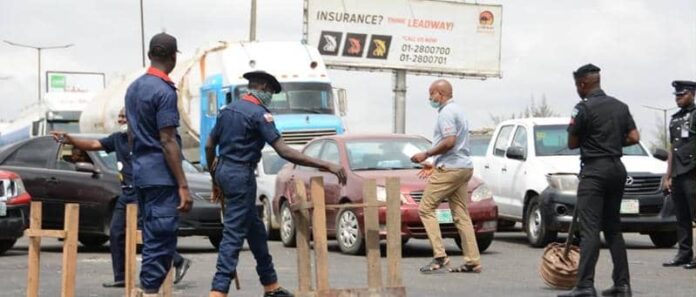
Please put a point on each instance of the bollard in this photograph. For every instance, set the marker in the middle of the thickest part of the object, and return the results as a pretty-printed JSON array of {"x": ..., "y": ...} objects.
[{"x": 68, "y": 234}]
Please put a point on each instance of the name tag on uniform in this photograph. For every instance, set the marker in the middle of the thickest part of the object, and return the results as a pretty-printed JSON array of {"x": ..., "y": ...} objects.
[
  {"x": 268, "y": 117},
  {"x": 684, "y": 132}
]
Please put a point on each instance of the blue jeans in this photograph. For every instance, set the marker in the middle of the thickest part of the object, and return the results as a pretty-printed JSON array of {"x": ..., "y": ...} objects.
[
  {"x": 241, "y": 221},
  {"x": 160, "y": 223}
]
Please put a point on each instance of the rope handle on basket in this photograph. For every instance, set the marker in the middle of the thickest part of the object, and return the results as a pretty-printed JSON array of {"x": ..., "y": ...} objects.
[{"x": 571, "y": 233}]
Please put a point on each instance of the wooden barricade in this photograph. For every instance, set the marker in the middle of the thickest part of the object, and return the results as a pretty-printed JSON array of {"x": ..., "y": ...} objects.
[
  {"x": 68, "y": 234},
  {"x": 133, "y": 238},
  {"x": 394, "y": 287}
]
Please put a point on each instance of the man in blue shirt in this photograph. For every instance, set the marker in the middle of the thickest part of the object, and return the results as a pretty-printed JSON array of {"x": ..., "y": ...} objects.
[
  {"x": 242, "y": 129},
  {"x": 118, "y": 142},
  {"x": 159, "y": 180}
]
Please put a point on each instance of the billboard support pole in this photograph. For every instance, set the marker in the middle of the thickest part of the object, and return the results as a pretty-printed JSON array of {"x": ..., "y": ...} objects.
[{"x": 400, "y": 101}]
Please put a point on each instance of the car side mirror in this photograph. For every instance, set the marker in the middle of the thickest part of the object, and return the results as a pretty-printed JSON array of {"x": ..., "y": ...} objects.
[
  {"x": 660, "y": 154},
  {"x": 516, "y": 152},
  {"x": 86, "y": 167}
]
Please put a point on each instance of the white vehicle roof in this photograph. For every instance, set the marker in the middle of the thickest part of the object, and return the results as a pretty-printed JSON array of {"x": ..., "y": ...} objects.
[{"x": 538, "y": 121}]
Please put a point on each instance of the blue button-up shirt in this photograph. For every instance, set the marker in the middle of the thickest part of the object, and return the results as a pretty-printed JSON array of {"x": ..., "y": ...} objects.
[
  {"x": 451, "y": 122},
  {"x": 242, "y": 129},
  {"x": 118, "y": 142},
  {"x": 151, "y": 105}
]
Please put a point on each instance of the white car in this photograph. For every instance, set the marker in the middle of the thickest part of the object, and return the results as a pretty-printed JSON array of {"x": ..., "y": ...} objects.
[
  {"x": 533, "y": 176},
  {"x": 266, "y": 171}
]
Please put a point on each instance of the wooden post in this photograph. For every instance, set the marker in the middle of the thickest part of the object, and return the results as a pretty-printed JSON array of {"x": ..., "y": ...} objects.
[
  {"x": 70, "y": 226},
  {"x": 304, "y": 267},
  {"x": 166, "y": 288},
  {"x": 321, "y": 253},
  {"x": 34, "y": 251},
  {"x": 371, "y": 216},
  {"x": 393, "y": 232},
  {"x": 131, "y": 246}
]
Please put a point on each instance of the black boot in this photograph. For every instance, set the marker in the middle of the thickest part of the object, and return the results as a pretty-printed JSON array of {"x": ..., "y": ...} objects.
[
  {"x": 580, "y": 292},
  {"x": 618, "y": 291}
]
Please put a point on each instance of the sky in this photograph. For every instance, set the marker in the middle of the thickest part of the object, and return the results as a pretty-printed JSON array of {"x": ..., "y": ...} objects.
[{"x": 641, "y": 46}]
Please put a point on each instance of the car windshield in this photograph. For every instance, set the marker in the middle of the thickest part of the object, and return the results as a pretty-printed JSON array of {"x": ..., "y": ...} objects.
[
  {"x": 384, "y": 154},
  {"x": 478, "y": 145},
  {"x": 301, "y": 97},
  {"x": 552, "y": 140},
  {"x": 272, "y": 162}
]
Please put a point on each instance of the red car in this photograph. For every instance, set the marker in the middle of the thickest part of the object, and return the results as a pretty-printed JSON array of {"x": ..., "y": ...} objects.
[
  {"x": 376, "y": 157},
  {"x": 14, "y": 209}
]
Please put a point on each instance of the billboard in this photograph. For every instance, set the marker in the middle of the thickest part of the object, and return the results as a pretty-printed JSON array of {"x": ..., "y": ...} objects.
[
  {"x": 74, "y": 82},
  {"x": 416, "y": 35}
]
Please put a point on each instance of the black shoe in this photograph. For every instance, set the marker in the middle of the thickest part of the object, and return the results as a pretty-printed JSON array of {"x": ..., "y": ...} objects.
[
  {"x": 181, "y": 270},
  {"x": 279, "y": 292},
  {"x": 120, "y": 284},
  {"x": 691, "y": 265},
  {"x": 580, "y": 292},
  {"x": 676, "y": 262},
  {"x": 618, "y": 291}
]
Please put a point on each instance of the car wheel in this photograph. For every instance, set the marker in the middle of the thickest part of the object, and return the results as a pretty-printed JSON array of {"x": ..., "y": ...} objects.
[
  {"x": 663, "y": 239},
  {"x": 266, "y": 217},
  {"x": 483, "y": 241},
  {"x": 287, "y": 226},
  {"x": 535, "y": 226},
  {"x": 348, "y": 233},
  {"x": 6, "y": 244},
  {"x": 93, "y": 241},
  {"x": 215, "y": 240}
]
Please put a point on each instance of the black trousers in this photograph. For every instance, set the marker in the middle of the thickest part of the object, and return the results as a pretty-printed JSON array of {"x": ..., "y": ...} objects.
[
  {"x": 600, "y": 191},
  {"x": 683, "y": 194}
]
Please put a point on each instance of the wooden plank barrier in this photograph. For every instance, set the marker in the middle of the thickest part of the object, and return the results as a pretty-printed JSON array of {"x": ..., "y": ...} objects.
[
  {"x": 300, "y": 207},
  {"x": 68, "y": 234},
  {"x": 133, "y": 238}
]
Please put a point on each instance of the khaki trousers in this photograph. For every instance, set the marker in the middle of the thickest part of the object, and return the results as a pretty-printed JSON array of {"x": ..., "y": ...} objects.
[{"x": 449, "y": 184}]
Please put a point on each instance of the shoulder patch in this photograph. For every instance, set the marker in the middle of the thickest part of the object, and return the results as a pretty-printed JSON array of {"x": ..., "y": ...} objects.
[
  {"x": 268, "y": 117},
  {"x": 574, "y": 112}
]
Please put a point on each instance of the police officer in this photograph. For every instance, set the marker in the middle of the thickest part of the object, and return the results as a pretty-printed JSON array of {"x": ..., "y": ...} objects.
[
  {"x": 680, "y": 178},
  {"x": 118, "y": 142},
  {"x": 600, "y": 126},
  {"x": 242, "y": 129},
  {"x": 158, "y": 177}
]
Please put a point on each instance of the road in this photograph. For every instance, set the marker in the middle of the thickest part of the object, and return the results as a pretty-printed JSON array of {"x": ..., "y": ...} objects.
[{"x": 510, "y": 269}]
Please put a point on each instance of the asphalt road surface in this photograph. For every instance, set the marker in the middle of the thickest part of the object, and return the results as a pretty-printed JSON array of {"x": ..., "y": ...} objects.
[{"x": 510, "y": 269}]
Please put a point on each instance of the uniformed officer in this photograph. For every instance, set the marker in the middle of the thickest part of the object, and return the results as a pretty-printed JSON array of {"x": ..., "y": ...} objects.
[
  {"x": 680, "y": 178},
  {"x": 118, "y": 142},
  {"x": 600, "y": 126},
  {"x": 158, "y": 177},
  {"x": 242, "y": 129}
]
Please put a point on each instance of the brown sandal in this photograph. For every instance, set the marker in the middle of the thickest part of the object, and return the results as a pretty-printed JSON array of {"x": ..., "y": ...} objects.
[
  {"x": 468, "y": 268},
  {"x": 437, "y": 265}
]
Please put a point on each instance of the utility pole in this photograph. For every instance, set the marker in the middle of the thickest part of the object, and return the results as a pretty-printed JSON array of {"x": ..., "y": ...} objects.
[
  {"x": 38, "y": 55},
  {"x": 252, "y": 21},
  {"x": 664, "y": 115},
  {"x": 400, "y": 101},
  {"x": 142, "y": 32}
]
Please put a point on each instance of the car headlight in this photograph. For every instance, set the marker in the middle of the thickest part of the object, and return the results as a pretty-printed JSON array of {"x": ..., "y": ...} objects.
[
  {"x": 563, "y": 182},
  {"x": 382, "y": 195},
  {"x": 482, "y": 192}
]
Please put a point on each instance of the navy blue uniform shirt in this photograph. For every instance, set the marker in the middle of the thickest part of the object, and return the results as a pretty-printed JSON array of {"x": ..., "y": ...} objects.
[
  {"x": 118, "y": 142},
  {"x": 151, "y": 105},
  {"x": 242, "y": 129}
]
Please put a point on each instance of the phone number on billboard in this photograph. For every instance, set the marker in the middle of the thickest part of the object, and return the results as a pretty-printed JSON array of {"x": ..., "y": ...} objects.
[
  {"x": 425, "y": 49},
  {"x": 425, "y": 59}
]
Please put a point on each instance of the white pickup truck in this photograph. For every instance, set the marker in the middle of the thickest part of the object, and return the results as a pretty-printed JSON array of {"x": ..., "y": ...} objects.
[{"x": 533, "y": 176}]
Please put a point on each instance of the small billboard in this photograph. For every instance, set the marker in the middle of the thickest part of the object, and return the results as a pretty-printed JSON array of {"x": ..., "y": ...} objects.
[{"x": 74, "y": 82}]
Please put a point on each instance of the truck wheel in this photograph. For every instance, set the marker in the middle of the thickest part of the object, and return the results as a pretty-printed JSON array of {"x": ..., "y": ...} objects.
[
  {"x": 287, "y": 226},
  {"x": 6, "y": 244},
  {"x": 348, "y": 233},
  {"x": 663, "y": 239},
  {"x": 536, "y": 227},
  {"x": 483, "y": 241},
  {"x": 93, "y": 241},
  {"x": 267, "y": 216}
]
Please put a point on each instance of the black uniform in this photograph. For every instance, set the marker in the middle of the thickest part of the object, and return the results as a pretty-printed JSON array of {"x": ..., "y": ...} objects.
[
  {"x": 682, "y": 131},
  {"x": 602, "y": 124}
]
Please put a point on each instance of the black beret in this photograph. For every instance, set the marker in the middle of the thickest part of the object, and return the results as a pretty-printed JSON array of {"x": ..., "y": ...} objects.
[
  {"x": 586, "y": 69},
  {"x": 265, "y": 76},
  {"x": 681, "y": 86}
]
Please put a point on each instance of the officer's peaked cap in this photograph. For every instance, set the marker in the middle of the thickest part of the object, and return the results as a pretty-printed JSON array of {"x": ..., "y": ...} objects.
[
  {"x": 681, "y": 86},
  {"x": 585, "y": 69},
  {"x": 263, "y": 75}
]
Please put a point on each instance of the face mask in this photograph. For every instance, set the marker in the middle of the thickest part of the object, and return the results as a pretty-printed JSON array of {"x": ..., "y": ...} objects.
[
  {"x": 434, "y": 104},
  {"x": 123, "y": 128},
  {"x": 264, "y": 96}
]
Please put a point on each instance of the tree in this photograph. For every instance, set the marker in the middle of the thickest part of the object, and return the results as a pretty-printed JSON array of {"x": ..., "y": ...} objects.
[
  {"x": 661, "y": 138},
  {"x": 532, "y": 110}
]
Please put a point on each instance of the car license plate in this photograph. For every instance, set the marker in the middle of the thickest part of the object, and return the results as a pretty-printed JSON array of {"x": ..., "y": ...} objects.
[
  {"x": 630, "y": 206},
  {"x": 444, "y": 216},
  {"x": 3, "y": 209}
]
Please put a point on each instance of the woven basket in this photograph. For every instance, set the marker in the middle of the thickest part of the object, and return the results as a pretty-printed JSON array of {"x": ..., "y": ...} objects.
[{"x": 557, "y": 271}]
